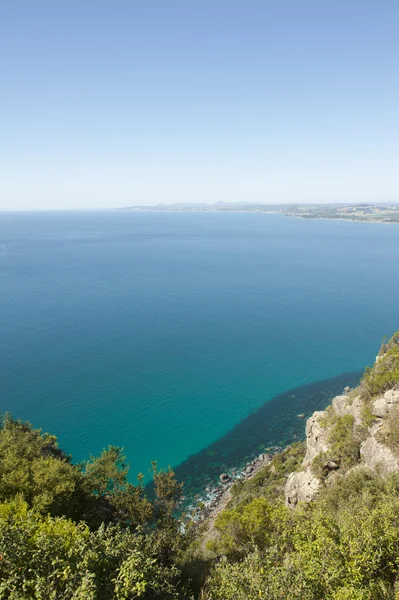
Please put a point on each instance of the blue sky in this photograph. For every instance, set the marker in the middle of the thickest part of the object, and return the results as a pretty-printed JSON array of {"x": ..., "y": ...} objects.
[{"x": 116, "y": 103}]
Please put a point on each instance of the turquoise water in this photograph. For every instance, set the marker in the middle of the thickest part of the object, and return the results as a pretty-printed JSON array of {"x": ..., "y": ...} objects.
[{"x": 165, "y": 333}]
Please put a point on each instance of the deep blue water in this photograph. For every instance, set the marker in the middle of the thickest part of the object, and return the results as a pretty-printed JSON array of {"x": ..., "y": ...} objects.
[{"x": 165, "y": 333}]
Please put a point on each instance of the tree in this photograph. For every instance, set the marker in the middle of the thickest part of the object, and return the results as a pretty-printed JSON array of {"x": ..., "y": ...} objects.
[{"x": 33, "y": 467}]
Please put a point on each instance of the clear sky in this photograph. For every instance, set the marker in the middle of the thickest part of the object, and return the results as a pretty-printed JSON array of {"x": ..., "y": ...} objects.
[{"x": 125, "y": 102}]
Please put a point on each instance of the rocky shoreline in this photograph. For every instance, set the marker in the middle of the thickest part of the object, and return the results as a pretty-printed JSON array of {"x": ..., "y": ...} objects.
[{"x": 216, "y": 497}]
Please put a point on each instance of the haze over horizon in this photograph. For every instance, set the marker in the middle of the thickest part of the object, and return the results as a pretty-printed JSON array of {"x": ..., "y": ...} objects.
[{"x": 109, "y": 105}]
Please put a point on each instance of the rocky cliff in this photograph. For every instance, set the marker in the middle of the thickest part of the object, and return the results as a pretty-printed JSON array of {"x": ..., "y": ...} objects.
[{"x": 360, "y": 429}]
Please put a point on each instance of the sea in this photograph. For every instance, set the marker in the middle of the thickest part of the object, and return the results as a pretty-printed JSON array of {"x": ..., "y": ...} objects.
[{"x": 192, "y": 339}]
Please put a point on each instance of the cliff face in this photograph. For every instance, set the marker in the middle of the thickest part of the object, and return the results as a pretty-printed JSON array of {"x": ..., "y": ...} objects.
[
  {"x": 322, "y": 464},
  {"x": 360, "y": 429}
]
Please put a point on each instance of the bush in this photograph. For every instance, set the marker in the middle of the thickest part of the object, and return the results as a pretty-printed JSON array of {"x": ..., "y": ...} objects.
[
  {"x": 53, "y": 558},
  {"x": 269, "y": 482},
  {"x": 350, "y": 551},
  {"x": 344, "y": 439},
  {"x": 389, "y": 433},
  {"x": 255, "y": 525},
  {"x": 384, "y": 375},
  {"x": 33, "y": 467}
]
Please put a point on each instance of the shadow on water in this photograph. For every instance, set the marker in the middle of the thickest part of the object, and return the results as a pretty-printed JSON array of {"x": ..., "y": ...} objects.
[{"x": 276, "y": 423}]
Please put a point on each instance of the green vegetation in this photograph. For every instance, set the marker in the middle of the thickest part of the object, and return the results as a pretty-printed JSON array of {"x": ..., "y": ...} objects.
[
  {"x": 347, "y": 547},
  {"x": 384, "y": 213},
  {"x": 82, "y": 532},
  {"x": 384, "y": 375},
  {"x": 77, "y": 532},
  {"x": 344, "y": 438},
  {"x": 366, "y": 416},
  {"x": 269, "y": 482},
  {"x": 52, "y": 557},
  {"x": 389, "y": 433}
]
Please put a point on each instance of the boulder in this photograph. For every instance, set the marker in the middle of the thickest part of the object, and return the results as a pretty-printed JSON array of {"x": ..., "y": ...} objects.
[
  {"x": 377, "y": 456},
  {"x": 383, "y": 404},
  {"x": 301, "y": 486},
  {"x": 268, "y": 458},
  {"x": 224, "y": 478},
  {"x": 316, "y": 438},
  {"x": 342, "y": 407}
]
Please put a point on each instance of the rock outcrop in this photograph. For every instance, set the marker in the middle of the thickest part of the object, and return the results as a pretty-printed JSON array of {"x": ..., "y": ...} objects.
[
  {"x": 384, "y": 404},
  {"x": 377, "y": 456},
  {"x": 316, "y": 438},
  {"x": 343, "y": 406},
  {"x": 304, "y": 485}
]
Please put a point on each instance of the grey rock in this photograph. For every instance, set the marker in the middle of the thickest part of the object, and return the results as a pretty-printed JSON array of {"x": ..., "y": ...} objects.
[
  {"x": 342, "y": 407},
  {"x": 383, "y": 404},
  {"x": 224, "y": 478},
  {"x": 301, "y": 486},
  {"x": 316, "y": 438},
  {"x": 379, "y": 457},
  {"x": 249, "y": 469}
]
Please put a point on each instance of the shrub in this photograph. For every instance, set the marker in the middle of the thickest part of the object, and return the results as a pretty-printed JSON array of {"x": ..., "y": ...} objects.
[
  {"x": 366, "y": 415},
  {"x": 345, "y": 439},
  {"x": 269, "y": 482},
  {"x": 350, "y": 552},
  {"x": 33, "y": 467},
  {"x": 249, "y": 526},
  {"x": 384, "y": 374},
  {"x": 56, "y": 559},
  {"x": 389, "y": 433}
]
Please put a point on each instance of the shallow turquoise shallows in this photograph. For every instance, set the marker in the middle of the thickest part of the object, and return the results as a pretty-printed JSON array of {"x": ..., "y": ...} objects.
[{"x": 165, "y": 332}]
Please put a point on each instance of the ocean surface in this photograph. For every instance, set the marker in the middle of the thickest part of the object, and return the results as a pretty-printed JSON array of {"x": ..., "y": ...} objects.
[{"x": 193, "y": 339}]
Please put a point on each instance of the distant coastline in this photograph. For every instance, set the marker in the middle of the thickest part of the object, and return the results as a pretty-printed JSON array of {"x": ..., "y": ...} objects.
[{"x": 360, "y": 213}]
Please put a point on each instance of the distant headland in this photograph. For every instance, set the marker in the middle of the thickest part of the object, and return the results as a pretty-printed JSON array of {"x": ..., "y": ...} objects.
[{"x": 373, "y": 213}]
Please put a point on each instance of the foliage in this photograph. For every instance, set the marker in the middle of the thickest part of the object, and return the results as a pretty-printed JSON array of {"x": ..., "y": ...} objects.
[
  {"x": 344, "y": 440},
  {"x": 82, "y": 531},
  {"x": 349, "y": 551},
  {"x": 32, "y": 466},
  {"x": 256, "y": 525},
  {"x": 269, "y": 482},
  {"x": 384, "y": 374},
  {"x": 54, "y": 558},
  {"x": 168, "y": 492},
  {"x": 110, "y": 496},
  {"x": 389, "y": 432},
  {"x": 366, "y": 415},
  {"x": 328, "y": 418},
  {"x": 388, "y": 344},
  {"x": 85, "y": 532}
]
